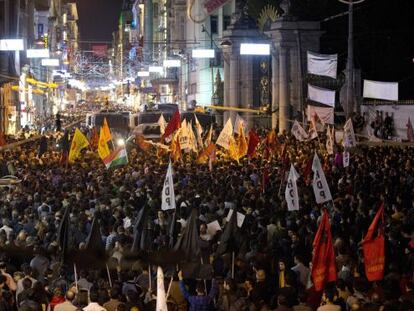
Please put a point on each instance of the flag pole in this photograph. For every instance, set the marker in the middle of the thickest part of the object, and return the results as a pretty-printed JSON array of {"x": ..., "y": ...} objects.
[
  {"x": 76, "y": 277},
  {"x": 149, "y": 277},
  {"x": 109, "y": 276},
  {"x": 232, "y": 265},
  {"x": 169, "y": 288}
]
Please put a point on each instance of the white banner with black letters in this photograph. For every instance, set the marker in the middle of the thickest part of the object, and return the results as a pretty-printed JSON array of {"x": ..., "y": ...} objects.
[
  {"x": 320, "y": 185},
  {"x": 168, "y": 195},
  {"x": 291, "y": 192}
]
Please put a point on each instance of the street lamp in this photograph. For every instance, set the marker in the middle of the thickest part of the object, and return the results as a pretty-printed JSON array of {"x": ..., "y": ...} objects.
[{"x": 350, "y": 94}]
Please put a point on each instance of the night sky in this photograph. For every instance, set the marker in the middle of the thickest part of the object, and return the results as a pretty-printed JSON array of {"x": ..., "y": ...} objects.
[
  {"x": 384, "y": 35},
  {"x": 98, "y": 19}
]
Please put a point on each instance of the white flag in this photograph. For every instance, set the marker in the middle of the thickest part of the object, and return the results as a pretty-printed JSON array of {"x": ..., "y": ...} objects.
[
  {"x": 192, "y": 140},
  {"x": 161, "y": 296},
  {"x": 321, "y": 95},
  {"x": 162, "y": 123},
  {"x": 345, "y": 158},
  {"x": 381, "y": 90},
  {"x": 320, "y": 185},
  {"x": 322, "y": 64},
  {"x": 225, "y": 135},
  {"x": 330, "y": 140},
  {"x": 299, "y": 132},
  {"x": 184, "y": 136},
  {"x": 209, "y": 136},
  {"x": 313, "y": 132},
  {"x": 349, "y": 135},
  {"x": 199, "y": 130},
  {"x": 239, "y": 123},
  {"x": 168, "y": 196},
  {"x": 291, "y": 192}
]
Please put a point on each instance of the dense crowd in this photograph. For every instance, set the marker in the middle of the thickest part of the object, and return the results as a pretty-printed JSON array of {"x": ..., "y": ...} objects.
[{"x": 271, "y": 261}]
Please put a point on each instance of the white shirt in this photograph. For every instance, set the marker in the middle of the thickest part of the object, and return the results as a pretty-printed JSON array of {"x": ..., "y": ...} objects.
[{"x": 94, "y": 306}]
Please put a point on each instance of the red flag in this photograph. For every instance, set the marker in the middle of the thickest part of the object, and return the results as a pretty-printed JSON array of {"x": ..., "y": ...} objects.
[
  {"x": 2, "y": 139},
  {"x": 254, "y": 140},
  {"x": 410, "y": 131},
  {"x": 323, "y": 261},
  {"x": 173, "y": 125},
  {"x": 373, "y": 247}
]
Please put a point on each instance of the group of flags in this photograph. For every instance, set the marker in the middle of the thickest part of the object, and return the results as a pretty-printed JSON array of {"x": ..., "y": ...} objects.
[
  {"x": 183, "y": 138},
  {"x": 111, "y": 156}
]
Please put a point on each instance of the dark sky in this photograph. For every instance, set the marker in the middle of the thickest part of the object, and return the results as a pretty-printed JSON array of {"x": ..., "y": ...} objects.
[
  {"x": 384, "y": 35},
  {"x": 98, "y": 19}
]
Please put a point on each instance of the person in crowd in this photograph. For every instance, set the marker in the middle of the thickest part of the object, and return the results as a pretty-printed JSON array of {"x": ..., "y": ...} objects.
[{"x": 67, "y": 305}]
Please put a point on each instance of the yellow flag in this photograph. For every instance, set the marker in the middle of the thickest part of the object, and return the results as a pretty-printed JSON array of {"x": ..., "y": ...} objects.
[
  {"x": 103, "y": 149},
  {"x": 233, "y": 149},
  {"x": 242, "y": 143},
  {"x": 106, "y": 131},
  {"x": 79, "y": 142}
]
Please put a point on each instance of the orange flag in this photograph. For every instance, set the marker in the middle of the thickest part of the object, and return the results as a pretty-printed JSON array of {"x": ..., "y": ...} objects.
[
  {"x": 176, "y": 149},
  {"x": 142, "y": 144},
  {"x": 106, "y": 131},
  {"x": 323, "y": 261},
  {"x": 373, "y": 247},
  {"x": 205, "y": 154}
]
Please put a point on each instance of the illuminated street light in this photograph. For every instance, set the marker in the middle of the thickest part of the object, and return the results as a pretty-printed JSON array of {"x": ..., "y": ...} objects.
[
  {"x": 254, "y": 49},
  {"x": 203, "y": 53},
  {"x": 169, "y": 63},
  {"x": 11, "y": 45}
]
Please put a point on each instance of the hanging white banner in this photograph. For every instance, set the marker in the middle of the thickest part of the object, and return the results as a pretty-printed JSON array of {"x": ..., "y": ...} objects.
[
  {"x": 322, "y": 64},
  {"x": 225, "y": 135},
  {"x": 321, "y": 95},
  {"x": 299, "y": 132},
  {"x": 168, "y": 195},
  {"x": 381, "y": 90},
  {"x": 349, "y": 139},
  {"x": 291, "y": 192},
  {"x": 325, "y": 114},
  {"x": 320, "y": 185}
]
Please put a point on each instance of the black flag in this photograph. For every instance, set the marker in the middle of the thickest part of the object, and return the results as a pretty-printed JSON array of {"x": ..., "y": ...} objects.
[
  {"x": 63, "y": 233},
  {"x": 188, "y": 242},
  {"x": 229, "y": 238},
  {"x": 94, "y": 244},
  {"x": 139, "y": 230}
]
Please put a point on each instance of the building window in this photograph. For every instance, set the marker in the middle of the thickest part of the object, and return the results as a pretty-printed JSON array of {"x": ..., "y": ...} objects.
[
  {"x": 155, "y": 10},
  {"x": 214, "y": 24},
  {"x": 226, "y": 21},
  {"x": 193, "y": 88}
]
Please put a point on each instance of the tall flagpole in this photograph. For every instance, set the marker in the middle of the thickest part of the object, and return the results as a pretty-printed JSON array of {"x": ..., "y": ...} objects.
[{"x": 350, "y": 87}]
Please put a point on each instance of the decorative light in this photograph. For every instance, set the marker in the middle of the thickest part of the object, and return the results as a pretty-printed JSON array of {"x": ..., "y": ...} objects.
[
  {"x": 168, "y": 63},
  {"x": 143, "y": 74},
  {"x": 50, "y": 62},
  {"x": 37, "y": 53},
  {"x": 157, "y": 69},
  {"x": 11, "y": 45},
  {"x": 203, "y": 53}
]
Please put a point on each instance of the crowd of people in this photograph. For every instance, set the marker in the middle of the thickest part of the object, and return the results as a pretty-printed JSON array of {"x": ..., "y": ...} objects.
[{"x": 268, "y": 269}]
